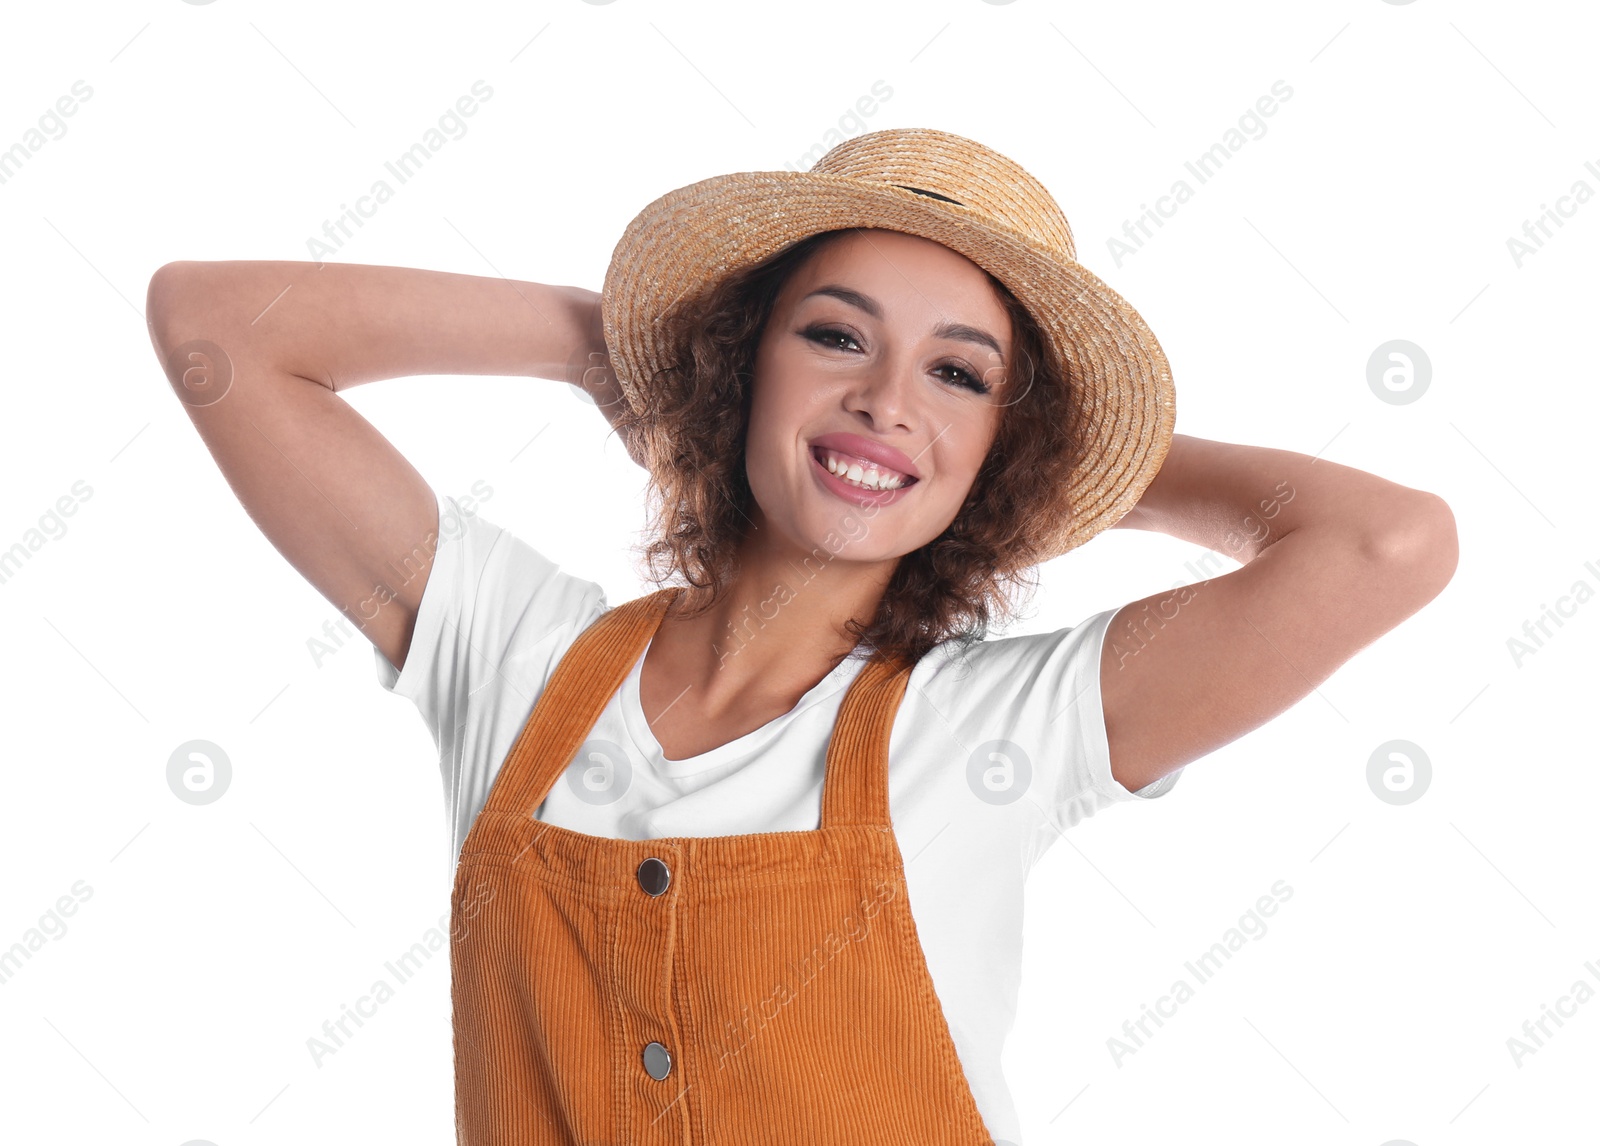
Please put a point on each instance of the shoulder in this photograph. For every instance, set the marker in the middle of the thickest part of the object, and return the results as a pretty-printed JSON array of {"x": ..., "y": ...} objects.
[
  {"x": 1029, "y": 705},
  {"x": 1018, "y": 670},
  {"x": 495, "y": 564},
  {"x": 491, "y": 598}
]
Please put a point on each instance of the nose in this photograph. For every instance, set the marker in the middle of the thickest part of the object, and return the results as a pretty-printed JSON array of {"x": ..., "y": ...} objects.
[{"x": 883, "y": 394}]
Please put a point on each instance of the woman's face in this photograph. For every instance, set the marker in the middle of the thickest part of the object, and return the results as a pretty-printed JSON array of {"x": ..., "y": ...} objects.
[{"x": 884, "y": 336}]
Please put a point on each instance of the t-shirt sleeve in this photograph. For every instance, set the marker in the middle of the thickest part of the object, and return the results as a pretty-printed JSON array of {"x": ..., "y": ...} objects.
[
  {"x": 1089, "y": 784},
  {"x": 488, "y": 596},
  {"x": 1034, "y": 702}
]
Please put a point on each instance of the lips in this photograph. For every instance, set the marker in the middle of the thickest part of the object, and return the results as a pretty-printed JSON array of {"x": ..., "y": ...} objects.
[
  {"x": 867, "y": 450},
  {"x": 857, "y": 495}
]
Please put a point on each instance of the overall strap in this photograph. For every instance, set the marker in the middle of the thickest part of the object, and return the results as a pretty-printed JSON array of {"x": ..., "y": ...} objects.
[
  {"x": 855, "y": 786},
  {"x": 856, "y": 780},
  {"x": 583, "y": 683}
]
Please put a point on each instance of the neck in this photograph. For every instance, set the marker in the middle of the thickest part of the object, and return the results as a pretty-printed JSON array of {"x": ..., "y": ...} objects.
[{"x": 779, "y": 627}]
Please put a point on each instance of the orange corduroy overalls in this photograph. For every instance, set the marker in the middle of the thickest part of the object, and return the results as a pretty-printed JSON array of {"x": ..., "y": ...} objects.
[{"x": 740, "y": 990}]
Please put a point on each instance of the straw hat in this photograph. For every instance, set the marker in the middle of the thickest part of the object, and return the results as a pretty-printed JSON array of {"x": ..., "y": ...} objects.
[{"x": 956, "y": 192}]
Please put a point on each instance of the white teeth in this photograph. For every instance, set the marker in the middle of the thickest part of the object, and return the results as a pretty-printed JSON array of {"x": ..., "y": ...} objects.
[{"x": 868, "y": 477}]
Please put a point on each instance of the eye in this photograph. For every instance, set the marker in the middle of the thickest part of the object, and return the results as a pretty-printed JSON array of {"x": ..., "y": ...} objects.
[
  {"x": 966, "y": 378},
  {"x": 831, "y": 336},
  {"x": 824, "y": 336}
]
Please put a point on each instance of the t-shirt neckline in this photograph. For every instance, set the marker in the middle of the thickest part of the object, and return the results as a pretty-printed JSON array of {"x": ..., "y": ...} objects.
[{"x": 644, "y": 740}]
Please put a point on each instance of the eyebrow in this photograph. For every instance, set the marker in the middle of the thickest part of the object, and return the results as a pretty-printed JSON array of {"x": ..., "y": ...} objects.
[{"x": 958, "y": 331}]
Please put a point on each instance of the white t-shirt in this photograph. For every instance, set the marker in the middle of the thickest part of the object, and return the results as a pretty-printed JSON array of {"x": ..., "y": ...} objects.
[{"x": 971, "y": 817}]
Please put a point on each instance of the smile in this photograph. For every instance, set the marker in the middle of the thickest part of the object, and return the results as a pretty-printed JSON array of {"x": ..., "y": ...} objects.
[{"x": 856, "y": 480}]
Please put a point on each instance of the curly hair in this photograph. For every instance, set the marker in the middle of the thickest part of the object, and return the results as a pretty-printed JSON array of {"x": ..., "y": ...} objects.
[{"x": 691, "y": 427}]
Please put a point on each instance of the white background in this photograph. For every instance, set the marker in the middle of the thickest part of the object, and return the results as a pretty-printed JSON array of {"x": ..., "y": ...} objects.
[{"x": 217, "y": 940}]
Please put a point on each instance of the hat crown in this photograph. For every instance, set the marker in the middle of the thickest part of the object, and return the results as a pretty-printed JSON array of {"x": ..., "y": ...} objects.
[{"x": 955, "y": 168}]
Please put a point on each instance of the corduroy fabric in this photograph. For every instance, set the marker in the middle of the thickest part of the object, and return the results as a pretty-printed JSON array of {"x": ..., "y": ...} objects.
[{"x": 781, "y": 970}]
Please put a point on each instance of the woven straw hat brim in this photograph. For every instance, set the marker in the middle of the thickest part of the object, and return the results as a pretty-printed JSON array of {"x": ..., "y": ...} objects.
[{"x": 1122, "y": 399}]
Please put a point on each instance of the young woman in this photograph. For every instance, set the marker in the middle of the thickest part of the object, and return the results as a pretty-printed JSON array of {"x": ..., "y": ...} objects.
[{"x": 741, "y": 860}]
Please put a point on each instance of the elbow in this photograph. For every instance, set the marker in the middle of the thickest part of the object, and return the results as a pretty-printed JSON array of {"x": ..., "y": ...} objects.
[
  {"x": 178, "y": 317},
  {"x": 160, "y": 302},
  {"x": 163, "y": 299},
  {"x": 1418, "y": 544}
]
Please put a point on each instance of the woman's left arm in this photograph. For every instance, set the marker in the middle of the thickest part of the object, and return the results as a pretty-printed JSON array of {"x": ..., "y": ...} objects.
[{"x": 1333, "y": 558}]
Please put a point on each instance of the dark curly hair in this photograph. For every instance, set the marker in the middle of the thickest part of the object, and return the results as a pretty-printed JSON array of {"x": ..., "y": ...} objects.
[{"x": 691, "y": 430}]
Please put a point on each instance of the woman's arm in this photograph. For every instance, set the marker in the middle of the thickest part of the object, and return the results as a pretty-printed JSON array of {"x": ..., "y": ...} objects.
[
  {"x": 1333, "y": 558},
  {"x": 255, "y": 352}
]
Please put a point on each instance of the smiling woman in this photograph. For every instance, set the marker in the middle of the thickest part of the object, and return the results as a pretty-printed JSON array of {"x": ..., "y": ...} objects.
[
  {"x": 871, "y": 398},
  {"x": 972, "y": 406}
]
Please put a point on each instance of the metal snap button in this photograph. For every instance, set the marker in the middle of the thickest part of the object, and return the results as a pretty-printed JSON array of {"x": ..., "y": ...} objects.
[
  {"x": 657, "y": 1062},
  {"x": 654, "y": 877}
]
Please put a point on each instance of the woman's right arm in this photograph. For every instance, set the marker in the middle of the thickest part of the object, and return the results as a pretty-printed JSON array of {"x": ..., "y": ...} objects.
[{"x": 256, "y": 350}]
